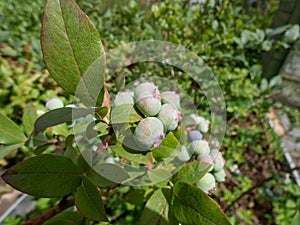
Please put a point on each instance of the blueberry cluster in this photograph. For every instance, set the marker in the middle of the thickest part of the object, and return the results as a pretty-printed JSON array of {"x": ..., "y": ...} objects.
[
  {"x": 161, "y": 111},
  {"x": 200, "y": 148}
]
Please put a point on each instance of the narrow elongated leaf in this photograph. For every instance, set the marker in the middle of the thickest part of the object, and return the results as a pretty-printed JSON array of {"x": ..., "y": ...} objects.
[
  {"x": 10, "y": 133},
  {"x": 70, "y": 44},
  {"x": 88, "y": 201},
  {"x": 106, "y": 103},
  {"x": 192, "y": 172},
  {"x": 28, "y": 118},
  {"x": 44, "y": 176},
  {"x": 278, "y": 30},
  {"x": 58, "y": 116},
  {"x": 132, "y": 156},
  {"x": 124, "y": 114},
  {"x": 120, "y": 81},
  {"x": 4, "y": 150},
  {"x": 156, "y": 209},
  {"x": 192, "y": 206}
]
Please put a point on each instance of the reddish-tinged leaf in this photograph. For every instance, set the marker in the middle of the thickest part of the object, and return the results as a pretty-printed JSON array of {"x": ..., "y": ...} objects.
[{"x": 71, "y": 44}]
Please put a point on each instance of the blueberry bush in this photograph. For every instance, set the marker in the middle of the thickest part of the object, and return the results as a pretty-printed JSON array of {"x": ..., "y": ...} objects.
[{"x": 229, "y": 36}]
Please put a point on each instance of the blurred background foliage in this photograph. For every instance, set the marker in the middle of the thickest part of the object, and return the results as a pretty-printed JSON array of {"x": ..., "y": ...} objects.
[{"x": 230, "y": 36}]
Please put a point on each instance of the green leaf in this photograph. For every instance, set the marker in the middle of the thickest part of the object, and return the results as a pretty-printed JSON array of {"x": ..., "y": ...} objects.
[
  {"x": 88, "y": 201},
  {"x": 156, "y": 209},
  {"x": 263, "y": 84},
  {"x": 70, "y": 44},
  {"x": 103, "y": 111},
  {"x": 111, "y": 172},
  {"x": 277, "y": 30},
  {"x": 120, "y": 81},
  {"x": 296, "y": 219},
  {"x": 97, "y": 179},
  {"x": 60, "y": 221},
  {"x": 10, "y": 133},
  {"x": 255, "y": 70},
  {"x": 70, "y": 151},
  {"x": 192, "y": 172},
  {"x": 167, "y": 148},
  {"x": 125, "y": 114},
  {"x": 38, "y": 140},
  {"x": 192, "y": 206},
  {"x": 44, "y": 148},
  {"x": 135, "y": 196},
  {"x": 44, "y": 176},
  {"x": 159, "y": 175},
  {"x": 28, "y": 118},
  {"x": 95, "y": 127},
  {"x": 292, "y": 34},
  {"x": 101, "y": 126},
  {"x": 58, "y": 116},
  {"x": 4, "y": 150},
  {"x": 60, "y": 130},
  {"x": 135, "y": 171},
  {"x": 132, "y": 156},
  {"x": 276, "y": 81},
  {"x": 85, "y": 159},
  {"x": 65, "y": 218},
  {"x": 294, "y": 190}
]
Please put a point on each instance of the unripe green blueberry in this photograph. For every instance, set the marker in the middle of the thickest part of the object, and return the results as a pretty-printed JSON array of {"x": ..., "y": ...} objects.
[
  {"x": 207, "y": 183},
  {"x": 110, "y": 160},
  {"x": 184, "y": 155},
  {"x": 117, "y": 159},
  {"x": 219, "y": 164},
  {"x": 200, "y": 147},
  {"x": 220, "y": 175},
  {"x": 54, "y": 103},
  {"x": 194, "y": 135},
  {"x": 218, "y": 160},
  {"x": 206, "y": 158},
  {"x": 71, "y": 106},
  {"x": 145, "y": 90},
  {"x": 169, "y": 116},
  {"x": 215, "y": 154},
  {"x": 196, "y": 118},
  {"x": 149, "y": 106},
  {"x": 200, "y": 122},
  {"x": 149, "y": 133},
  {"x": 124, "y": 97},
  {"x": 204, "y": 125},
  {"x": 171, "y": 97},
  {"x": 40, "y": 112}
]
